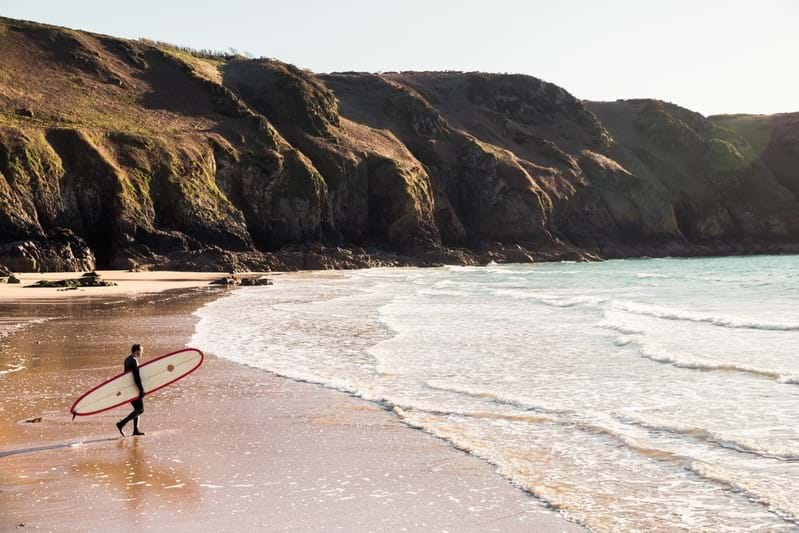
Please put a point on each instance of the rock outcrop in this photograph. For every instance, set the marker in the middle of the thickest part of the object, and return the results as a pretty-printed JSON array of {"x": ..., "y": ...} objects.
[
  {"x": 89, "y": 279},
  {"x": 57, "y": 250},
  {"x": 135, "y": 154}
]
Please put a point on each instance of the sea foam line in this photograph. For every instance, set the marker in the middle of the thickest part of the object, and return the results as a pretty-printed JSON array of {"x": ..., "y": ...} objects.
[
  {"x": 702, "y": 469},
  {"x": 752, "y": 447},
  {"x": 779, "y": 506},
  {"x": 654, "y": 311},
  {"x": 691, "y": 316},
  {"x": 548, "y": 299},
  {"x": 567, "y": 419},
  {"x": 696, "y": 363}
]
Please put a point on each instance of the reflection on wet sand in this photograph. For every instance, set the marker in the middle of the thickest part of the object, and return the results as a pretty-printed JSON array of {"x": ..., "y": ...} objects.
[
  {"x": 139, "y": 479},
  {"x": 123, "y": 481}
]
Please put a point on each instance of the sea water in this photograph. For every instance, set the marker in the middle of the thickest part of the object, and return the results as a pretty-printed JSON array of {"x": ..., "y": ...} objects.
[{"x": 629, "y": 395}]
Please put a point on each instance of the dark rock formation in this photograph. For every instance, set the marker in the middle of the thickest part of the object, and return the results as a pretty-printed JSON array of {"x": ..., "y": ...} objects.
[
  {"x": 233, "y": 281},
  {"x": 256, "y": 282},
  {"x": 89, "y": 279},
  {"x": 57, "y": 250},
  {"x": 230, "y": 281},
  {"x": 148, "y": 156}
]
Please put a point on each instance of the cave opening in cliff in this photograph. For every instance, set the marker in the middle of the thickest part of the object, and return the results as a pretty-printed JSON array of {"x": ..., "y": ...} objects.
[{"x": 101, "y": 244}]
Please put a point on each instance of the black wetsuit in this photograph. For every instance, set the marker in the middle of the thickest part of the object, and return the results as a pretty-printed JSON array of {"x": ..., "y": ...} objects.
[{"x": 131, "y": 365}]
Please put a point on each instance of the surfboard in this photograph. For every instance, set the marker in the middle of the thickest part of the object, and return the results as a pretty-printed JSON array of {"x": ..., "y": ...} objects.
[{"x": 121, "y": 389}]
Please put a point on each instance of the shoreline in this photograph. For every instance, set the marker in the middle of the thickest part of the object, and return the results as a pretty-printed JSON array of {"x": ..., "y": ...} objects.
[
  {"x": 208, "y": 263},
  {"x": 309, "y": 456}
]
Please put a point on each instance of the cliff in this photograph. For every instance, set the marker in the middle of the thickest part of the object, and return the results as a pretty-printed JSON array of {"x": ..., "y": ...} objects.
[{"x": 119, "y": 153}]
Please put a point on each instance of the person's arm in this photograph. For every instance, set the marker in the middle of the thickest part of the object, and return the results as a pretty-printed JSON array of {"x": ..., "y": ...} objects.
[{"x": 137, "y": 379}]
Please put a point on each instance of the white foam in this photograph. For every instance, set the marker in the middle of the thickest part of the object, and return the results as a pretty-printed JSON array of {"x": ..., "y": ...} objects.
[
  {"x": 459, "y": 352},
  {"x": 550, "y": 299},
  {"x": 622, "y": 341},
  {"x": 667, "y": 313},
  {"x": 606, "y": 324},
  {"x": 699, "y": 363},
  {"x": 756, "y": 489},
  {"x": 760, "y": 446}
]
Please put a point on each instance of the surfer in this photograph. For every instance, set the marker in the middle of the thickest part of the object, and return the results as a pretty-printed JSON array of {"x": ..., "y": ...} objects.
[{"x": 132, "y": 365}]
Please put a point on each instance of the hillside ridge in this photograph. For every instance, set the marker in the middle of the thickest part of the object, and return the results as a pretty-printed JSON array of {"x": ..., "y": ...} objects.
[{"x": 137, "y": 154}]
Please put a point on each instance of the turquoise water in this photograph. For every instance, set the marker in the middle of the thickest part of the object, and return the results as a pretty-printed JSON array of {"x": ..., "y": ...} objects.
[{"x": 630, "y": 394}]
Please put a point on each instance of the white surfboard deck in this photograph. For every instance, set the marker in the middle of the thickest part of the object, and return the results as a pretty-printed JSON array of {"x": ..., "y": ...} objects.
[{"x": 155, "y": 374}]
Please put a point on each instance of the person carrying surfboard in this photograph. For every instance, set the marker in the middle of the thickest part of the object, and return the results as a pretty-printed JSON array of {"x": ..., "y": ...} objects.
[{"x": 132, "y": 365}]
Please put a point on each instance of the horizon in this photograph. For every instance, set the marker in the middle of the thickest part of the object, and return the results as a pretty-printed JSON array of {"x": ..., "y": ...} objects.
[{"x": 635, "y": 61}]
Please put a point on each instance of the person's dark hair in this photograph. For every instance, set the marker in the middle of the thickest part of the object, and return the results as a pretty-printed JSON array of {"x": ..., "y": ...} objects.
[{"x": 135, "y": 348}]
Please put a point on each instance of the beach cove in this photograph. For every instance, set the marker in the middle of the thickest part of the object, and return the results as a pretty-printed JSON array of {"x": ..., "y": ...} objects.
[{"x": 229, "y": 448}]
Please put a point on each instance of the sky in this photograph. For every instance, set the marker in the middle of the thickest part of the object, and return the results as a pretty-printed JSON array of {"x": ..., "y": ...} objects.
[{"x": 711, "y": 56}]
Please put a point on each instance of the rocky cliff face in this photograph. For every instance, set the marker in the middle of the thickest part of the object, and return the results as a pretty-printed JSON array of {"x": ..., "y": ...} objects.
[{"x": 117, "y": 152}]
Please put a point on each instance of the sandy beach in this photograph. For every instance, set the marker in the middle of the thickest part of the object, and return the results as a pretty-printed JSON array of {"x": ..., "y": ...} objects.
[
  {"x": 229, "y": 448},
  {"x": 127, "y": 284}
]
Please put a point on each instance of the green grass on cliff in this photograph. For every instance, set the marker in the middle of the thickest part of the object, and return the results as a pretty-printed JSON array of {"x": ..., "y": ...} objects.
[
  {"x": 64, "y": 78},
  {"x": 754, "y": 129},
  {"x": 724, "y": 157},
  {"x": 202, "y": 53},
  {"x": 33, "y": 159}
]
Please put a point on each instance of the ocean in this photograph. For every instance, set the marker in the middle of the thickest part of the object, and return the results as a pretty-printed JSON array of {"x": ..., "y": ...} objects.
[{"x": 628, "y": 394}]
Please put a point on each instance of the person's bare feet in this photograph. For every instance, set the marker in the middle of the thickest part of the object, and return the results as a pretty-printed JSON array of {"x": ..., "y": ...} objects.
[
  {"x": 119, "y": 427},
  {"x": 137, "y": 433}
]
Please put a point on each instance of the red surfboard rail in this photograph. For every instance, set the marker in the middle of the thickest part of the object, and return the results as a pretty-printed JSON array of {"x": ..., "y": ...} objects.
[{"x": 82, "y": 396}]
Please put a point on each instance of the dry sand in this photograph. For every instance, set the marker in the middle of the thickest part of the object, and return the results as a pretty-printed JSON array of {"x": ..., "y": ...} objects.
[
  {"x": 128, "y": 283},
  {"x": 227, "y": 449}
]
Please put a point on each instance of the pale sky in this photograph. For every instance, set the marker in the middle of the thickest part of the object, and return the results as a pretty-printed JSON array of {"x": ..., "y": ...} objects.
[{"x": 712, "y": 56}]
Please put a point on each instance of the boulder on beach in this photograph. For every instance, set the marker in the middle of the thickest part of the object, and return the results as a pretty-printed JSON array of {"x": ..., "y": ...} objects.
[
  {"x": 255, "y": 282},
  {"x": 231, "y": 280},
  {"x": 90, "y": 279}
]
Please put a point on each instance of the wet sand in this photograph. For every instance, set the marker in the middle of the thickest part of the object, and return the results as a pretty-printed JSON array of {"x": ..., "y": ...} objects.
[{"x": 226, "y": 449}]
